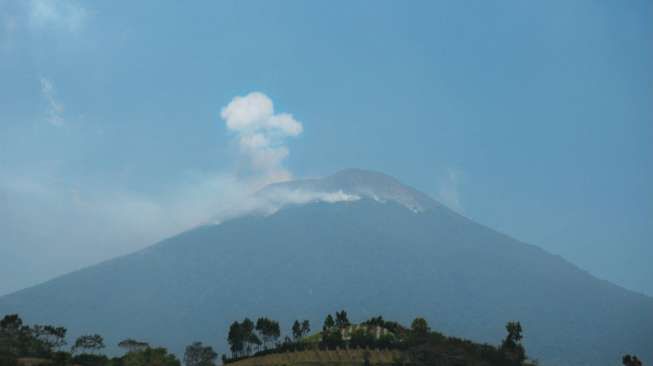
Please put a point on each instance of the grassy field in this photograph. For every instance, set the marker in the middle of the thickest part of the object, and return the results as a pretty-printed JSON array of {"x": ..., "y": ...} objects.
[
  {"x": 341, "y": 357},
  {"x": 33, "y": 361}
]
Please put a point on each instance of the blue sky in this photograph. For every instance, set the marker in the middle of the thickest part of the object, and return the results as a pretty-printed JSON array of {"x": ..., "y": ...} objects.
[{"x": 534, "y": 118}]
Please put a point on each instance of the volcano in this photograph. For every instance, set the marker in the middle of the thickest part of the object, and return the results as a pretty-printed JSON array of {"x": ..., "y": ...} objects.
[{"x": 376, "y": 247}]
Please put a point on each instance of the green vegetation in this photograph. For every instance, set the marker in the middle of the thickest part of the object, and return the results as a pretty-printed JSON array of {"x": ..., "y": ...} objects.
[
  {"x": 199, "y": 355},
  {"x": 629, "y": 360},
  {"x": 374, "y": 341},
  {"x": 22, "y": 345},
  {"x": 300, "y": 330},
  {"x": 415, "y": 346}
]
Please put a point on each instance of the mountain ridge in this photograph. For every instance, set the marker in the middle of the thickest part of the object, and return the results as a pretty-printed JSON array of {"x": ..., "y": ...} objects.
[{"x": 359, "y": 182}]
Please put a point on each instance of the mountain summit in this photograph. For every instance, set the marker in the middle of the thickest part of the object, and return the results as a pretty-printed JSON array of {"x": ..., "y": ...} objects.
[
  {"x": 357, "y": 248},
  {"x": 358, "y": 183}
]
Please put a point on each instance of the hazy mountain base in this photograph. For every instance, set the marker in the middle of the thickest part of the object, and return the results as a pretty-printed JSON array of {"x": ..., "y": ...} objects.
[{"x": 366, "y": 256}]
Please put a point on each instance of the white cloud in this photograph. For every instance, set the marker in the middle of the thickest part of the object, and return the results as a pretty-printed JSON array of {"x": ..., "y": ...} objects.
[
  {"x": 261, "y": 134},
  {"x": 54, "y": 112},
  {"x": 448, "y": 190},
  {"x": 61, "y": 14}
]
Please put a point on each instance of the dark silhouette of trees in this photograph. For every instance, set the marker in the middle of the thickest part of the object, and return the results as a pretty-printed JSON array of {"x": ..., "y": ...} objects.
[
  {"x": 268, "y": 329},
  {"x": 10, "y": 327},
  {"x": 420, "y": 327},
  {"x": 14, "y": 336},
  {"x": 331, "y": 336},
  {"x": 306, "y": 327},
  {"x": 18, "y": 340},
  {"x": 296, "y": 330},
  {"x": 419, "y": 344},
  {"x": 250, "y": 338},
  {"x": 419, "y": 330},
  {"x": 132, "y": 345},
  {"x": 197, "y": 354},
  {"x": 236, "y": 339},
  {"x": 21, "y": 340},
  {"x": 511, "y": 345},
  {"x": 342, "y": 320},
  {"x": 90, "y": 342},
  {"x": 300, "y": 330},
  {"x": 393, "y": 327},
  {"x": 243, "y": 337},
  {"x": 328, "y": 323},
  {"x": 629, "y": 360},
  {"x": 53, "y": 338}
]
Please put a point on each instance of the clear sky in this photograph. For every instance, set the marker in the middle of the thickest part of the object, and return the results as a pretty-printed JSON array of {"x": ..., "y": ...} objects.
[{"x": 534, "y": 118}]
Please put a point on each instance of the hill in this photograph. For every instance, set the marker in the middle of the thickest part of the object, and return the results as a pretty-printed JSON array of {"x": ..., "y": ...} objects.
[
  {"x": 392, "y": 250},
  {"x": 344, "y": 357}
]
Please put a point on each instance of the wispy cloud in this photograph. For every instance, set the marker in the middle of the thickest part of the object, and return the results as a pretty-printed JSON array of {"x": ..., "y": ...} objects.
[
  {"x": 261, "y": 134},
  {"x": 449, "y": 189},
  {"x": 54, "y": 111},
  {"x": 61, "y": 14}
]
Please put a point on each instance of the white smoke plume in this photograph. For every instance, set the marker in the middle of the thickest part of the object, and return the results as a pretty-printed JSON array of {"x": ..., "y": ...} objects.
[
  {"x": 261, "y": 134},
  {"x": 43, "y": 210}
]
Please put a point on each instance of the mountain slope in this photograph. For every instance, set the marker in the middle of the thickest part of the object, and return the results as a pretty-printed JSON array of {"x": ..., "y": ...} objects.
[{"x": 379, "y": 255}]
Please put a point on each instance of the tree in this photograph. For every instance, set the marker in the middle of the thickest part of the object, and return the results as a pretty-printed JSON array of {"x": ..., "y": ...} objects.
[
  {"x": 53, "y": 338},
  {"x": 275, "y": 330},
  {"x": 328, "y": 323},
  {"x": 249, "y": 336},
  {"x": 420, "y": 328},
  {"x": 629, "y": 360},
  {"x": 511, "y": 345},
  {"x": 247, "y": 327},
  {"x": 253, "y": 340},
  {"x": 132, "y": 345},
  {"x": 235, "y": 339},
  {"x": 268, "y": 329},
  {"x": 14, "y": 336},
  {"x": 19, "y": 340},
  {"x": 296, "y": 330},
  {"x": 11, "y": 323},
  {"x": 341, "y": 319},
  {"x": 514, "y": 331},
  {"x": 91, "y": 342},
  {"x": 306, "y": 328},
  {"x": 199, "y": 355}
]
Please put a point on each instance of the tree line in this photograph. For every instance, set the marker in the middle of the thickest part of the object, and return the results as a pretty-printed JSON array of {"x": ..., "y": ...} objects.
[
  {"x": 246, "y": 337},
  {"x": 419, "y": 344},
  {"x": 18, "y": 340}
]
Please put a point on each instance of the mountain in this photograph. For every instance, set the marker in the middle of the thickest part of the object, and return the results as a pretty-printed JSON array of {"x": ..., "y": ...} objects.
[
  {"x": 357, "y": 183},
  {"x": 378, "y": 247}
]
